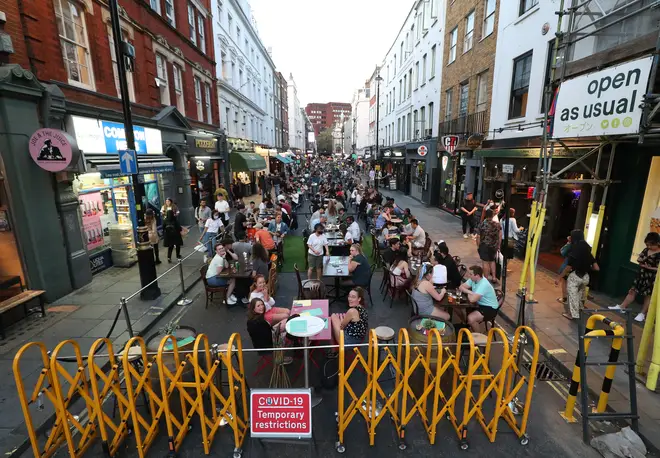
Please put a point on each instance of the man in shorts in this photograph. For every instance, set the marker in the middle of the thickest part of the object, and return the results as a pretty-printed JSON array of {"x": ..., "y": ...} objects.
[
  {"x": 316, "y": 244},
  {"x": 479, "y": 291},
  {"x": 489, "y": 238}
]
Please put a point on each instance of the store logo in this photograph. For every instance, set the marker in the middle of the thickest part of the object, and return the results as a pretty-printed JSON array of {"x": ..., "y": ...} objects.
[
  {"x": 445, "y": 162},
  {"x": 422, "y": 150},
  {"x": 115, "y": 137},
  {"x": 51, "y": 149},
  {"x": 207, "y": 144},
  {"x": 199, "y": 165}
]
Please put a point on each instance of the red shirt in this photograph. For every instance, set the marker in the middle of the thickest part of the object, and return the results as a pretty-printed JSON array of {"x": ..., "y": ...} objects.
[
  {"x": 264, "y": 237},
  {"x": 287, "y": 207}
]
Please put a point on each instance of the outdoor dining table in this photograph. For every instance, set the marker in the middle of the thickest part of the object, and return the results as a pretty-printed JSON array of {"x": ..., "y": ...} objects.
[
  {"x": 307, "y": 326},
  {"x": 396, "y": 220},
  {"x": 452, "y": 302},
  {"x": 334, "y": 236},
  {"x": 336, "y": 267}
]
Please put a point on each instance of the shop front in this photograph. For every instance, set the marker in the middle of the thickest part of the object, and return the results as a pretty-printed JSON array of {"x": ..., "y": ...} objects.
[
  {"x": 206, "y": 161},
  {"x": 394, "y": 169},
  {"x": 421, "y": 168},
  {"x": 245, "y": 164},
  {"x": 106, "y": 197},
  {"x": 278, "y": 161},
  {"x": 451, "y": 173}
]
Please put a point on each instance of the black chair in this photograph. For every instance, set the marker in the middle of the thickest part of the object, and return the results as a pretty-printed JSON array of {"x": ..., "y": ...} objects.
[
  {"x": 212, "y": 290},
  {"x": 395, "y": 291},
  {"x": 500, "y": 303},
  {"x": 309, "y": 289},
  {"x": 462, "y": 269}
]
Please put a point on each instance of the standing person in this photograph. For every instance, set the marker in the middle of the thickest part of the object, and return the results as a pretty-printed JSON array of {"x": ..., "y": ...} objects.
[
  {"x": 169, "y": 205},
  {"x": 276, "y": 185},
  {"x": 564, "y": 251},
  {"x": 514, "y": 232},
  {"x": 222, "y": 207},
  {"x": 202, "y": 213},
  {"x": 468, "y": 210},
  {"x": 223, "y": 191},
  {"x": 580, "y": 263},
  {"x": 150, "y": 222},
  {"x": 240, "y": 222},
  {"x": 172, "y": 232},
  {"x": 372, "y": 177},
  {"x": 261, "y": 182},
  {"x": 316, "y": 243},
  {"x": 648, "y": 261},
  {"x": 210, "y": 233},
  {"x": 488, "y": 244}
]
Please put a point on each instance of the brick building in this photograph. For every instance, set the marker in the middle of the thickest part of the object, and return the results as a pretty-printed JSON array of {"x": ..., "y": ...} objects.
[
  {"x": 467, "y": 81},
  {"x": 326, "y": 115}
]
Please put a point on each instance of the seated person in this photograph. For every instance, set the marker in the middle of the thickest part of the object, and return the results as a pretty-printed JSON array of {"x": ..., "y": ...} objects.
[
  {"x": 263, "y": 236},
  {"x": 348, "y": 237},
  {"x": 439, "y": 270},
  {"x": 278, "y": 229},
  {"x": 342, "y": 215},
  {"x": 260, "y": 260},
  {"x": 480, "y": 292},
  {"x": 425, "y": 294},
  {"x": 355, "y": 322},
  {"x": 407, "y": 216},
  {"x": 260, "y": 290},
  {"x": 252, "y": 211},
  {"x": 394, "y": 247},
  {"x": 399, "y": 269},
  {"x": 454, "y": 278},
  {"x": 217, "y": 267},
  {"x": 418, "y": 237},
  {"x": 242, "y": 248},
  {"x": 260, "y": 330},
  {"x": 354, "y": 228},
  {"x": 358, "y": 266},
  {"x": 316, "y": 218},
  {"x": 383, "y": 218}
]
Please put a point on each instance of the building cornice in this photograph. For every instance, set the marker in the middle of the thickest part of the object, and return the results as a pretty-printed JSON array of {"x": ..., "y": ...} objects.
[{"x": 222, "y": 85}]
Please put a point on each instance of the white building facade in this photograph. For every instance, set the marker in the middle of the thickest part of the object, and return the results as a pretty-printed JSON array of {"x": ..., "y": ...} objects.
[
  {"x": 245, "y": 74},
  {"x": 296, "y": 125},
  {"x": 360, "y": 121}
]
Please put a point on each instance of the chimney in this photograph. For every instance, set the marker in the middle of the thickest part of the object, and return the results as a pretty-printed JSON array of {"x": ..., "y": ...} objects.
[{"x": 6, "y": 47}]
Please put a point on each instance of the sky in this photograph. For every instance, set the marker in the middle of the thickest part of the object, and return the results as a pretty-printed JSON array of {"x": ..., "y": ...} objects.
[{"x": 331, "y": 47}]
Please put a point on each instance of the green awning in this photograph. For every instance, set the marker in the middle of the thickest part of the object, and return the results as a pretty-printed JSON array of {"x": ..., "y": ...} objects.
[
  {"x": 283, "y": 160},
  {"x": 246, "y": 162},
  {"x": 531, "y": 152}
]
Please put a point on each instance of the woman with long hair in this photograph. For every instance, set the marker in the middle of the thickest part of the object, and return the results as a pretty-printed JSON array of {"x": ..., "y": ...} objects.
[
  {"x": 425, "y": 294},
  {"x": 648, "y": 261},
  {"x": 260, "y": 330},
  {"x": 260, "y": 260},
  {"x": 214, "y": 273},
  {"x": 355, "y": 322},
  {"x": 172, "y": 232},
  {"x": 259, "y": 289},
  {"x": 580, "y": 264},
  {"x": 400, "y": 269},
  {"x": 332, "y": 214}
]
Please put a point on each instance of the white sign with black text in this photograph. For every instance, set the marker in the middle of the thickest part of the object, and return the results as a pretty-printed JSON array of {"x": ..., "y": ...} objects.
[{"x": 603, "y": 103}]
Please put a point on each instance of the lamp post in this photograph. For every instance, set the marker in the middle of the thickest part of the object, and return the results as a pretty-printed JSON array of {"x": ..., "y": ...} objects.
[
  {"x": 378, "y": 80},
  {"x": 146, "y": 263}
]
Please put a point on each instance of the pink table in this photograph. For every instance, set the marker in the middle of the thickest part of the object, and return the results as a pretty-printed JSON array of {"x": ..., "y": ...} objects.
[{"x": 313, "y": 306}]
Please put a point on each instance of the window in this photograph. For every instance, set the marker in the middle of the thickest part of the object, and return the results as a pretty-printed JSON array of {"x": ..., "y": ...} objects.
[
  {"x": 226, "y": 123},
  {"x": 469, "y": 32},
  {"x": 424, "y": 69},
  {"x": 401, "y": 54},
  {"x": 522, "y": 68},
  {"x": 191, "y": 24},
  {"x": 238, "y": 35},
  {"x": 422, "y": 121},
  {"x": 207, "y": 103},
  {"x": 198, "y": 98},
  {"x": 526, "y": 5},
  {"x": 246, "y": 47},
  {"x": 202, "y": 33},
  {"x": 169, "y": 12},
  {"x": 155, "y": 5},
  {"x": 400, "y": 90},
  {"x": 430, "y": 123},
  {"x": 548, "y": 72},
  {"x": 410, "y": 78},
  {"x": 489, "y": 18},
  {"x": 220, "y": 12},
  {"x": 240, "y": 80},
  {"x": 434, "y": 8},
  {"x": 233, "y": 74},
  {"x": 73, "y": 40},
  {"x": 432, "y": 61},
  {"x": 408, "y": 126},
  {"x": 482, "y": 91},
  {"x": 448, "y": 104},
  {"x": 464, "y": 97},
  {"x": 405, "y": 87},
  {"x": 453, "y": 40},
  {"x": 178, "y": 88},
  {"x": 230, "y": 23},
  {"x": 115, "y": 69},
  {"x": 394, "y": 64},
  {"x": 161, "y": 82},
  {"x": 225, "y": 74},
  {"x": 416, "y": 75}
]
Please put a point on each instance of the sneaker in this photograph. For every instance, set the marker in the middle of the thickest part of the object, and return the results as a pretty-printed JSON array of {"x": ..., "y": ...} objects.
[
  {"x": 640, "y": 317},
  {"x": 287, "y": 360},
  {"x": 231, "y": 300},
  {"x": 465, "y": 236},
  {"x": 245, "y": 300},
  {"x": 615, "y": 307},
  {"x": 474, "y": 236},
  {"x": 206, "y": 259}
]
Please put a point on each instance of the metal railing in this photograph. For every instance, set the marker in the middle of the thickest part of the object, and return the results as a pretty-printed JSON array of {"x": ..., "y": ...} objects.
[{"x": 475, "y": 123}]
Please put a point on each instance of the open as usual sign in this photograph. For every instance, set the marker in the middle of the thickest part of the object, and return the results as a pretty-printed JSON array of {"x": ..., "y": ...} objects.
[
  {"x": 603, "y": 103},
  {"x": 281, "y": 413}
]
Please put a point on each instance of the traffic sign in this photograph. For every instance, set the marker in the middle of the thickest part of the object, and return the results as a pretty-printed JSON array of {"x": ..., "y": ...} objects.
[
  {"x": 450, "y": 142},
  {"x": 128, "y": 162},
  {"x": 422, "y": 150},
  {"x": 507, "y": 168},
  {"x": 278, "y": 414}
]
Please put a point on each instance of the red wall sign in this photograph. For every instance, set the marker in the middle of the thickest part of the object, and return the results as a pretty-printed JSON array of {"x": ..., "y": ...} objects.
[
  {"x": 51, "y": 149},
  {"x": 281, "y": 413}
]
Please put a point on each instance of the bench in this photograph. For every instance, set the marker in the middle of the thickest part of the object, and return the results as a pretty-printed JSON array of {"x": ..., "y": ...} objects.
[{"x": 21, "y": 299}]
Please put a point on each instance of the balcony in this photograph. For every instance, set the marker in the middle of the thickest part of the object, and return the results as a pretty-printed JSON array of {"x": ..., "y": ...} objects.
[{"x": 475, "y": 123}]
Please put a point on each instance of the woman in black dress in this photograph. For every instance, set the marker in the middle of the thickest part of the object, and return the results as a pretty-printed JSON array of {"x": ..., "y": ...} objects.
[
  {"x": 648, "y": 261},
  {"x": 172, "y": 233}
]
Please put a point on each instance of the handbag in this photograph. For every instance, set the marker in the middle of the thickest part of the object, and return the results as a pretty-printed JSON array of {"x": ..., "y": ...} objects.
[{"x": 184, "y": 231}]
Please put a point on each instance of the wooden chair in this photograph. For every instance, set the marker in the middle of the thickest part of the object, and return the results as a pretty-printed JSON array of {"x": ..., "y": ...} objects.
[
  {"x": 396, "y": 291},
  {"x": 272, "y": 276},
  {"x": 212, "y": 290},
  {"x": 309, "y": 289},
  {"x": 280, "y": 255},
  {"x": 305, "y": 249}
]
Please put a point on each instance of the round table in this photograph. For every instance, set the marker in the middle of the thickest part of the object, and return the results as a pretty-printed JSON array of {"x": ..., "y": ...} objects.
[{"x": 314, "y": 326}]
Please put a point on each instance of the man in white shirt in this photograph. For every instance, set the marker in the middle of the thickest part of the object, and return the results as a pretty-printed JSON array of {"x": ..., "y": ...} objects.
[
  {"x": 418, "y": 237},
  {"x": 439, "y": 270},
  {"x": 262, "y": 206},
  {"x": 316, "y": 218},
  {"x": 222, "y": 206},
  {"x": 316, "y": 244},
  {"x": 353, "y": 228}
]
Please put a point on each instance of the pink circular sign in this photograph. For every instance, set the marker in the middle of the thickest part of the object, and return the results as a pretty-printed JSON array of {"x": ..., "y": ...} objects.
[{"x": 50, "y": 149}]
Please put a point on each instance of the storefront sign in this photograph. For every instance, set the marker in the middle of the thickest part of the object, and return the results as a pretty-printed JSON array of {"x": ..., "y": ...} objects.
[
  {"x": 450, "y": 142},
  {"x": 98, "y": 136},
  {"x": 445, "y": 162},
  {"x": 607, "y": 102},
  {"x": 422, "y": 150},
  {"x": 100, "y": 261},
  {"x": 51, "y": 149},
  {"x": 201, "y": 164},
  {"x": 115, "y": 137},
  {"x": 475, "y": 141},
  {"x": 281, "y": 413},
  {"x": 202, "y": 146}
]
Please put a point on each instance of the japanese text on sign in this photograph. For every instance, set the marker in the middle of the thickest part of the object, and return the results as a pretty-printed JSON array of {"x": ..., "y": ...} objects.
[{"x": 281, "y": 413}]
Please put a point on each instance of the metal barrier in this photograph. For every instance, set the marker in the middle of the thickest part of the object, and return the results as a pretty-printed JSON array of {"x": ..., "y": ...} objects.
[{"x": 130, "y": 378}]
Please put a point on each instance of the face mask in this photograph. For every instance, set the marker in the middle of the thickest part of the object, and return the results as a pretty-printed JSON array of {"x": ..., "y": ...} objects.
[{"x": 319, "y": 232}]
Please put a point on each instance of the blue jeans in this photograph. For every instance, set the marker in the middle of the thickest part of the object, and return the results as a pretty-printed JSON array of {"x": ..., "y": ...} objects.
[
  {"x": 277, "y": 190},
  {"x": 217, "y": 281},
  {"x": 208, "y": 240},
  {"x": 348, "y": 340}
]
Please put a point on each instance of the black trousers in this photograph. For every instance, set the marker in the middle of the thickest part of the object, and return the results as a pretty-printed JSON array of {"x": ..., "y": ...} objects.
[
  {"x": 155, "y": 247},
  {"x": 169, "y": 251},
  {"x": 467, "y": 220}
]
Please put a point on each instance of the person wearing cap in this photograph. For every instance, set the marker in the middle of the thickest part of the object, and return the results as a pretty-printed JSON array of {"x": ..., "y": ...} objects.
[
  {"x": 263, "y": 236},
  {"x": 316, "y": 244}
]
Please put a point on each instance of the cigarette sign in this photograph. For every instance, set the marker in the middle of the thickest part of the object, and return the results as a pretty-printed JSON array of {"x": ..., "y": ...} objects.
[
  {"x": 450, "y": 142},
  {"x": 281, "y": 413}
]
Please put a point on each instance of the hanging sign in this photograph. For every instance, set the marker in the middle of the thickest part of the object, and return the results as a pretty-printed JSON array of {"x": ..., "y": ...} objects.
[
  {"x": 607, "y": 102},
  {"x": 281, "y": 413},
  {"x": 51, "y": 149},
  {"x": 422, "y": 150},
  {"x": 445, "y": 162},
  {"x": 450, "y": 142}
]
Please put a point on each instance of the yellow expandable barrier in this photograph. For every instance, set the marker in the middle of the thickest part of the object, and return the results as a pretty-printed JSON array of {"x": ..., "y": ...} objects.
[{"x": 130, "y": 378}]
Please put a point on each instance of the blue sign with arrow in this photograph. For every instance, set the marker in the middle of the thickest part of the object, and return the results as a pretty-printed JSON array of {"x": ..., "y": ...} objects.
[{"x": 128, "y": 162}]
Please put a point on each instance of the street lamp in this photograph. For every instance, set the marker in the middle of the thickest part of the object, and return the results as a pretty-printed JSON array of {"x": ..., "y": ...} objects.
[{"x": 378, "y": 80}]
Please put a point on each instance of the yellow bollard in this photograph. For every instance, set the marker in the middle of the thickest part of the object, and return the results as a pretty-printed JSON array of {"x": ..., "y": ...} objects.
[
  {"x": 649, "y": 326},
  {"x": 611, "y": 369},
  {"x": 535, "y": 247},
  {"x": 530, "y": 233},
  {"x": 590, "y": 209},
  {"x": 654, "y": 368}
]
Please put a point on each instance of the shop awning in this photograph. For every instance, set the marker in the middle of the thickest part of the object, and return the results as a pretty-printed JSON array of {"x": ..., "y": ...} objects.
[
  {"x": 283, "y": 160},
  {"x": 108, "y": 164},
  {"x": 531, "y": 152},
  {"x": 246, "y": 162}
]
